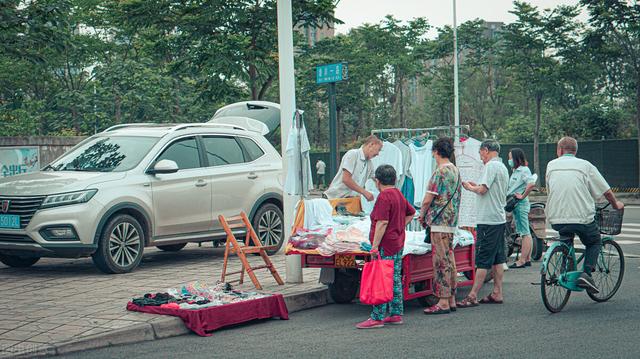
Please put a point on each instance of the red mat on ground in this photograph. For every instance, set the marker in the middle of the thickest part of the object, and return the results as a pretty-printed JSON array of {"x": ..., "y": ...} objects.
[{"x": 203, "y": 321}]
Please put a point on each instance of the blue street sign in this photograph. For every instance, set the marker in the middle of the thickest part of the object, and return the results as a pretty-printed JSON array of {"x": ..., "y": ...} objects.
[{"x": 332, "y": 73}]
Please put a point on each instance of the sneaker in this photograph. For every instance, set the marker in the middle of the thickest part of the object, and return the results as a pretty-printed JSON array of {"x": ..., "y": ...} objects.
[
  {"x": 394, "y": 319},
  {"x": 370, "y": 324},
  {"x": 585, "y": 281}
]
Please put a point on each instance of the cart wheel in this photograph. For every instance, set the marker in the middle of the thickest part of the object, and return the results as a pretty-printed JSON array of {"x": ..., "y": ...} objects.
[
  {"x": 427, "y": 300},
  {"x": 344, "y": 288},
  {"x": 538, "y": 246}
]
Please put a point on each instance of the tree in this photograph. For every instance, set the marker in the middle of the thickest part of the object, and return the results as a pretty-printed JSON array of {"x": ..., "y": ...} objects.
[
  {"x": 616, "y": 33},
  {"x": 532, "y": 49}
]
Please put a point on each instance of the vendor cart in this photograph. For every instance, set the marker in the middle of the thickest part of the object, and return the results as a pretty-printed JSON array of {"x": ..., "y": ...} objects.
[{"x": 417, "y": 270}]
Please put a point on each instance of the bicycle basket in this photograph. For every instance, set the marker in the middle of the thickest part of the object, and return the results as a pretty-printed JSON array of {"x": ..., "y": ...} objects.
[{"x": 609, "y": 220}]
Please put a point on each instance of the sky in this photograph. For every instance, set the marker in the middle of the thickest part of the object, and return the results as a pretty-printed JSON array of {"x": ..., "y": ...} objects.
[{"x": 438, "y": 12}]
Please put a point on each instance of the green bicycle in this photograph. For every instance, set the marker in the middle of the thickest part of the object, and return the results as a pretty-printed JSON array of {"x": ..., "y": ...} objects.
[{"x": 559, "y": 275}]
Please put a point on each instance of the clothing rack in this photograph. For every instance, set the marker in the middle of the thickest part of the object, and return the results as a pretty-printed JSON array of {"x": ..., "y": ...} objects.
[{"x": 427, "y": 130}]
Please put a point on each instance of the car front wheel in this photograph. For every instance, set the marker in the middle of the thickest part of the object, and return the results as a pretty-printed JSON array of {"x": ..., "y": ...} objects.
[
  {"x": 120, "y": 246},
  {"x": 269, "y": 226},
  {"x": 18, "y": 261}
]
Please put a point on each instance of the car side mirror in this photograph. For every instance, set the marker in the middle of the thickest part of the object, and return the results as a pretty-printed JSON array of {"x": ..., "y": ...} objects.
[{"x": 164, "y": 167}]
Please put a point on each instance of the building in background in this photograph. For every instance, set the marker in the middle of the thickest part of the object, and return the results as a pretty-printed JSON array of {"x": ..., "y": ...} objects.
[{"x": 313, "y": 34}]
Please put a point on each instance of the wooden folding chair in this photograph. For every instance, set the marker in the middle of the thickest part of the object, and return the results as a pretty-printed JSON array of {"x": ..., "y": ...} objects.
[{"x": 250, "y": 245}]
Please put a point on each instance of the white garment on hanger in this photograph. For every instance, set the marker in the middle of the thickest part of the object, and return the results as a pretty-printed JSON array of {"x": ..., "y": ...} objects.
[
  {"x": 406, "y": 162},
  {"x": 421, "y": 169},
  {"x": 292, "y": 184},
  {"x": 391, "y": 155}
]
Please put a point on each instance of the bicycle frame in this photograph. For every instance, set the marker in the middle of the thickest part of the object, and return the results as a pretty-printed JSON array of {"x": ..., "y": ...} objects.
[{"x": 568, "y": 280}]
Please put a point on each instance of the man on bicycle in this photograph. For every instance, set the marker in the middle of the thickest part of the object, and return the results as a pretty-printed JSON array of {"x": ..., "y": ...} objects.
[{"x": 573, "y": 186}]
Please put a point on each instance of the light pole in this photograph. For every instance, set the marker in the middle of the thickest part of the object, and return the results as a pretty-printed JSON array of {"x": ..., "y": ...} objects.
[
  {"x": 456, "y": 104},
  {"x": 287, "y": 109}
]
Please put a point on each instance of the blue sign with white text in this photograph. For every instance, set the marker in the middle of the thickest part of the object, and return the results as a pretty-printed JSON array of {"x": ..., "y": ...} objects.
[{"x": 332, "y": 73}]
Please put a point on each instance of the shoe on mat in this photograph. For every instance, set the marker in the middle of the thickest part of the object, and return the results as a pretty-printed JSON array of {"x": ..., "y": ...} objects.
[
  {"x": 585, "y": 281},
  {"x": 370, "y": 324},
  {"x": 394, "y": 320}
]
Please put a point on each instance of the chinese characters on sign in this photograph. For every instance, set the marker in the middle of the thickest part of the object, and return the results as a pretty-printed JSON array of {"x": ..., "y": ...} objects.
[
  {"x": 331, "y": 73},
  {"x": 18, "y": 160}
]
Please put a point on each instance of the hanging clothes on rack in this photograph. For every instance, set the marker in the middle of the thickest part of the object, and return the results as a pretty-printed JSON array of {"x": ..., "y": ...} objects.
[
  {"x": 421, "y": 168},
  {"x": 406, "y": 179},
  {"x": 389, "y": 155}
]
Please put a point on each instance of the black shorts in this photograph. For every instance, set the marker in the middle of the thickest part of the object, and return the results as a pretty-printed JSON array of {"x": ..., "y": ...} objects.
[{"x": 490, "y": 246}]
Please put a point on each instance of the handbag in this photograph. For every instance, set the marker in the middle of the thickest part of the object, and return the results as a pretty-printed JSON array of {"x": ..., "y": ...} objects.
[
  {"x": 427, "y": 228},
  {"x": 376, "y": 284},
  {"x": 512, "y": 201}
]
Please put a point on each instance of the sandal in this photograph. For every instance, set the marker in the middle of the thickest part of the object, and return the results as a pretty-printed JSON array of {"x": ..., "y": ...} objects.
[
  {"x": 467, "y": 302},
  {"x": 435, "y": 309},
  {"x": 490, "y": 300}
]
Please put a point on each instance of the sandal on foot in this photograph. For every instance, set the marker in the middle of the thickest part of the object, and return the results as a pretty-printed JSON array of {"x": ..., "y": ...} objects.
[
  {"x": 436, "y": 309},
  {"x": 467, "y": 302},
  {"x": 490, "y": 300}
]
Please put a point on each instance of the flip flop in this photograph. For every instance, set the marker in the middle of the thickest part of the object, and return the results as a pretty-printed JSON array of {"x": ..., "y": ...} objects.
[
  {"x": 435, "y": 310},
  {"x": 467, "y": 302},
  {"x": 490, "y": 300}
]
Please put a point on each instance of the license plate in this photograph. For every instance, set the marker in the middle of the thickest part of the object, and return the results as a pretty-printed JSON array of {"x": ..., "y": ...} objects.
[
  {"x": 9, "y": 221},
  {"x": 345, "y": 261}
]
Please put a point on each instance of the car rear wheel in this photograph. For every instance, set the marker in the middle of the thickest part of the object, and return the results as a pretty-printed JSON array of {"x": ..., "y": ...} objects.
[
  {"x": 120, "y": 246},
  {"x": 18, "y": 261},
  {"x": 268, "y": 223}
]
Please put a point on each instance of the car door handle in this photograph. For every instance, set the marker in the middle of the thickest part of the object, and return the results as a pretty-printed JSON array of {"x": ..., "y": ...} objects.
[
  {"x": 252, "y": 175},
  {"x": 201, "y": 183}
]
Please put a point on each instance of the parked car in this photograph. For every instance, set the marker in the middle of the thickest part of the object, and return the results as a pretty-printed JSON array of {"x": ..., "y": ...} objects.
[{"x": 141, "y": 185}]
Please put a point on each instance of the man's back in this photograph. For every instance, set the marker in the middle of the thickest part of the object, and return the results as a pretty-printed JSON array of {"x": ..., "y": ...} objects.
[
  {"x": 495, "y": 177},
  {"x": 573, "y": 185}
]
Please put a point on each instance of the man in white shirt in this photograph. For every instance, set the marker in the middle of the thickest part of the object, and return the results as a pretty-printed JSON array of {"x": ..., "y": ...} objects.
[
  {"x": 355, "y": 169},
  {"x": 320, "y": 171},
  {"x": 573, "y": 186},
  {"x": 490, "y": 244}
]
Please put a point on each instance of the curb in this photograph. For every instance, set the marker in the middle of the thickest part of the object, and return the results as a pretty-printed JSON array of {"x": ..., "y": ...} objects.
[{"x": 162, "y": 327}]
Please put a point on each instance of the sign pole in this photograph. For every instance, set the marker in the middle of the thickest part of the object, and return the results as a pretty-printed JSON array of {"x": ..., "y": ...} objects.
[
  {"x": 455, "y": 75},
  {"x": 333, "y": 131}
]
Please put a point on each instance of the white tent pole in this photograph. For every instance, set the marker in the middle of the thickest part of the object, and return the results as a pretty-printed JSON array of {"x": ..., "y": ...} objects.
[
  {"x": 287, "y": 108},
  {"x": 455, "y": 74}
]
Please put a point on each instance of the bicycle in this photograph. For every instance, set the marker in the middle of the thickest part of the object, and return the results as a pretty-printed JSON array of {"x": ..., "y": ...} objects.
[{"x": 559, "y": 275}]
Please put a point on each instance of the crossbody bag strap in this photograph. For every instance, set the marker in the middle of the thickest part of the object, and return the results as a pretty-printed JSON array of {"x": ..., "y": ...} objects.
[{"x": 450, "y": 198}]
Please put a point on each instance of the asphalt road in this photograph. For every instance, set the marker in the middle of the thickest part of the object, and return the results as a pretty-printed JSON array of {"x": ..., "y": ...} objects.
[{"x": 520, "y": 328}]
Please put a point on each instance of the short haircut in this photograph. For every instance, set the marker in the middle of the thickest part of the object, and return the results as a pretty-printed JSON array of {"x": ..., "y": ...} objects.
[
  {"x": 444, "y": 147},
  {"x": 490, "y": 145},
  {"x": 519, "y": 159},
  {"x": 372, "y": 140},
  {"x": 386, "y": 175},
  {"x": 568, "y": 144}
]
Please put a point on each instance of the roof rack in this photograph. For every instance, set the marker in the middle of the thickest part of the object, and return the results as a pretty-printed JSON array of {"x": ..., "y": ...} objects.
[
  {"x": 144, "y": 124},
  {"x": 215, "y": 125}
]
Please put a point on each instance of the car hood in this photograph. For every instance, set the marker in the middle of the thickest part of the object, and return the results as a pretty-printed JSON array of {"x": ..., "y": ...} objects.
[{"x": 49, "y": 182}]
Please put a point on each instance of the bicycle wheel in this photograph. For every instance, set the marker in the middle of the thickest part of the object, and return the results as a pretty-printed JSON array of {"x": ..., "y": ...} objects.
[
  {"x": 609, "y": 271},
  {"x": 555, "y": 296}
]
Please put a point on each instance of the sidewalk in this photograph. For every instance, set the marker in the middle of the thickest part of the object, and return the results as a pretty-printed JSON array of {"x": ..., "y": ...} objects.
[{"x": 61, "y": 305}]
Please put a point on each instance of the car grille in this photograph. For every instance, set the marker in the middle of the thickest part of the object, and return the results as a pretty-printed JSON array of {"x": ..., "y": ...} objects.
[
  {"x": 25, "y": 207},
  {"x": 5, "y": 237}
]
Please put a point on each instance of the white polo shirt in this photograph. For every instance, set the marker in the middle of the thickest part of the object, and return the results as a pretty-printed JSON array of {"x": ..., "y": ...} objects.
[
  {"x": 361, "y": 170},
  {"x": 573, "y": 186}
]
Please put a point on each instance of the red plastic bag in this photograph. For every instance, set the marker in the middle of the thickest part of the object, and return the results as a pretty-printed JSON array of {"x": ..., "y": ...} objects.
[{"x": 376, "y": 286}]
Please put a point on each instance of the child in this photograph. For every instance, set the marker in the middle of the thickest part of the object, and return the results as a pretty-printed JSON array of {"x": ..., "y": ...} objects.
[{"x": 391, "y": 213}]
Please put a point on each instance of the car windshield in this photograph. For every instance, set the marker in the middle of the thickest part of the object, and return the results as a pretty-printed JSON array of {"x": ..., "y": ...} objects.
[{"x": 105, "y": 154}]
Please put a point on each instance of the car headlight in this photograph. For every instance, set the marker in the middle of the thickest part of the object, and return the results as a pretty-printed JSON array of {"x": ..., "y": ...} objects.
[{"x": 64, "y": 199}]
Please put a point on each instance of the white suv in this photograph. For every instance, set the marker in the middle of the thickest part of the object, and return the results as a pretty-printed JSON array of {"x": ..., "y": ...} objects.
[{"x": 140, "y": 185}]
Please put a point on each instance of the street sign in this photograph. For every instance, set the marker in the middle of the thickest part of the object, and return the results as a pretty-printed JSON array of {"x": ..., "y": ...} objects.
[{"x": 332, "y": 73}]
